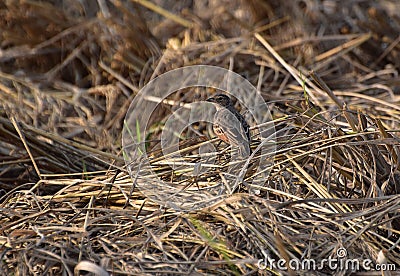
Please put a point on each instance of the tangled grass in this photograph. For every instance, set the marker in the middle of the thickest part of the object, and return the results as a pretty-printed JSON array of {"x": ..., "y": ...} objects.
[{"x": 69, "y": 72}]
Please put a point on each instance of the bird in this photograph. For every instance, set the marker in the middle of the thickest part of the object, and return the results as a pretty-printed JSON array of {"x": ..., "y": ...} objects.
[{"x": 229, "y": 125}]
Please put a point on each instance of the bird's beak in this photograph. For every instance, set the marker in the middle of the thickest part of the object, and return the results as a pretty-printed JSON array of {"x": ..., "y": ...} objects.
[{"x": 210, "y": 100}]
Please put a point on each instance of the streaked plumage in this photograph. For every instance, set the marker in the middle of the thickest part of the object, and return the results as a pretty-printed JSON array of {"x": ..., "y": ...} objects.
[{"x": 230, "y": 126}]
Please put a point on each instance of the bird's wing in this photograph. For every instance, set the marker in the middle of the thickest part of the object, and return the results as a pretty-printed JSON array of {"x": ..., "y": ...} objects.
[{"x": 233, "y": 129}]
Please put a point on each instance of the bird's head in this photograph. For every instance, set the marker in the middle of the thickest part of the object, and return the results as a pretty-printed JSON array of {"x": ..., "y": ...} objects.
[{"x": 221, "y": 99}]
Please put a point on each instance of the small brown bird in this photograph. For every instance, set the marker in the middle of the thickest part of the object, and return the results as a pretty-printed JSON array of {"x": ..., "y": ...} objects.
[{"x": 230, "y": 126}]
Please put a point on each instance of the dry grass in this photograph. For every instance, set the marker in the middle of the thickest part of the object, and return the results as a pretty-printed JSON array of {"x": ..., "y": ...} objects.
[{"x": 328, "y": 69}]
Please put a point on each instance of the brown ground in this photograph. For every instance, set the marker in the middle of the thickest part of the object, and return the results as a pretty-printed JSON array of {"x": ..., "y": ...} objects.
[{"x": 69, "y": 71}]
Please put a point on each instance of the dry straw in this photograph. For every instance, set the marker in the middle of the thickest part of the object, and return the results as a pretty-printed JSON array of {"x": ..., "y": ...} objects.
[{"x": 69, "y": 71}]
